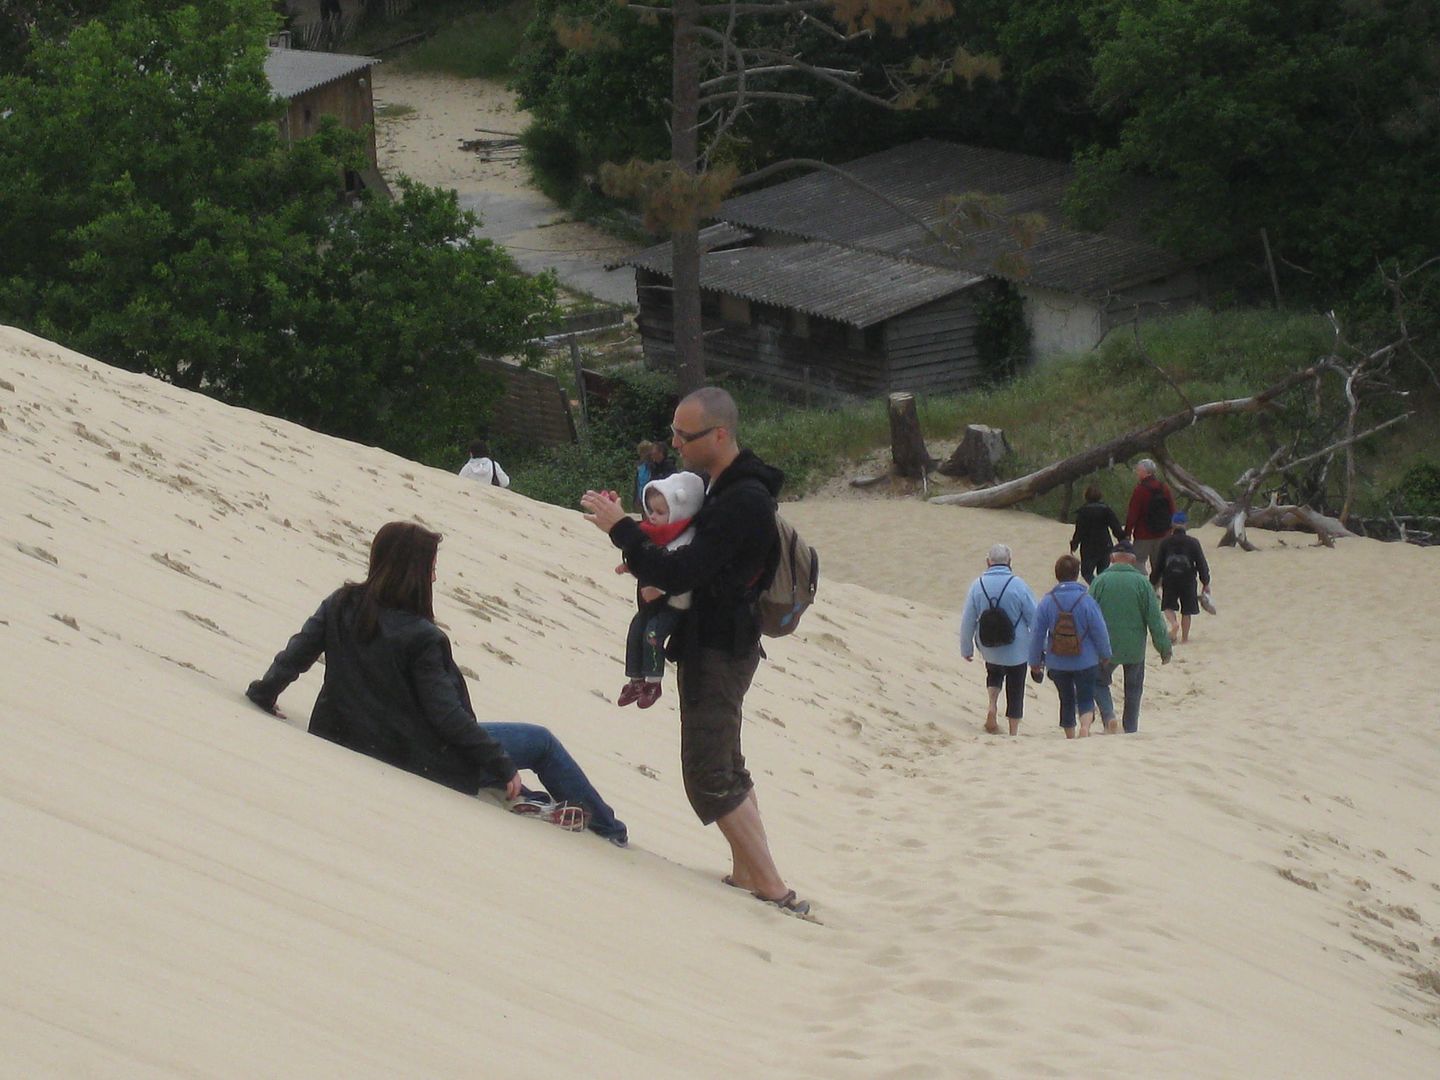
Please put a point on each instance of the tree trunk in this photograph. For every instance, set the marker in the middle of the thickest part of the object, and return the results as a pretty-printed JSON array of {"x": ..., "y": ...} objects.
[
  {"x": 685, "y": 234},
  {"x": 977, "y": 455},
  {"x": 907, "y": 446},
  {"x": 1132, "y": 443}
]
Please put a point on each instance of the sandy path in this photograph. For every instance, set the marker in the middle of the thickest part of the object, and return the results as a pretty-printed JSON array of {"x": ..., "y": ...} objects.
[{"x": 425, "y": 144}]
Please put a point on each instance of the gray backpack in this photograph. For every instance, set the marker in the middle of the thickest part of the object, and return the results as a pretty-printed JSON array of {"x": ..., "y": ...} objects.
[{"x": 791, "y": 588}]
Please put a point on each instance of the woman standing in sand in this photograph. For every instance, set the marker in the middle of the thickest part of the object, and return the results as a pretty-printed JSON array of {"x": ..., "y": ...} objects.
[
  {"x": 1070, "y": 639},
  {"x": 392, "y": 689}
]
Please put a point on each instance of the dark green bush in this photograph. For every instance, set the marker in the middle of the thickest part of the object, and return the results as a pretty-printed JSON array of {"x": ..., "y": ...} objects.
[
  {"x": 640, "y": 407},
  {"x": 1418, "y": 491}
]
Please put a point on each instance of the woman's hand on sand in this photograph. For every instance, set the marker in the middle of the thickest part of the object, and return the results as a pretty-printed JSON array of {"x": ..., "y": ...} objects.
[
  {"x": 512, "y": 787},
  {"x": 273, "y": 710},
  {"x": 602, "y": 509}
]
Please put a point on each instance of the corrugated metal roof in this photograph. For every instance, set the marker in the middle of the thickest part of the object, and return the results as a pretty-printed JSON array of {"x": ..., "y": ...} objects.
[
  {"x": 711, "y": 237},
  {"x": 918, "y": 177},
  {"x": 293, "y": 72},
  {"x": 853, "y": 287}
]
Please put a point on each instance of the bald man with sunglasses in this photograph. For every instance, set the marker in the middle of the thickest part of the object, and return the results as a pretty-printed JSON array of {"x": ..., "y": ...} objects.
[{"x": 734, "y": 547}]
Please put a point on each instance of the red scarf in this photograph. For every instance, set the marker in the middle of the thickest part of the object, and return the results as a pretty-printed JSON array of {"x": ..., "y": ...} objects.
[{"x": 660, "y": 535}]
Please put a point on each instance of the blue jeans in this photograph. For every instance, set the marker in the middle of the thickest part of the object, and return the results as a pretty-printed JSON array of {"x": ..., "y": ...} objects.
[
  {"x": 533, "y": 747},
  {"x": 1077, "y": 693},
  {"x": 1134, "y": 687}
]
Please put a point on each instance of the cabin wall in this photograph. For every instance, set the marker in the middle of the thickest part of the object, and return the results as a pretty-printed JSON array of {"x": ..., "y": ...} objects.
[{"x": 350, "y": 100}]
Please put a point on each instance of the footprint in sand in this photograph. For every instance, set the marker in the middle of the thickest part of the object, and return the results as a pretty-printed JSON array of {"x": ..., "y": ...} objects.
[{"x": 1096, "y": 885}]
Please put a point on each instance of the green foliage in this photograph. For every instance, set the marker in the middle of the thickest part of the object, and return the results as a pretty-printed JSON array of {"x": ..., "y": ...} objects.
[
  {"x": 607, "y": 104},
  {"x": 640, "y": 407},
  {"x": 1002, "y": 338},
  {"x": 1313, "y": 119},
  {"x": 1418, "y": 490},
  {"x": 561, "y": 474},
  {"x": 150, "y": 217},
  {"x": 554, "y": 161},
  {"x": 477, "y": 45},
  {"x": 1047, "y": 414}
]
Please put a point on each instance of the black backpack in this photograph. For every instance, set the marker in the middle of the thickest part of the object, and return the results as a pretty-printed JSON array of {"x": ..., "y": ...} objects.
[
  {"x": 995, "y": 627},
  {"x": 1159, "y": 510},
  {"x": 1178, "y": 568}
]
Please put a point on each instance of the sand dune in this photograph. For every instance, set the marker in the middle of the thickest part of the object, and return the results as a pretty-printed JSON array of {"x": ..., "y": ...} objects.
[{"x": 1248, "y": 888}]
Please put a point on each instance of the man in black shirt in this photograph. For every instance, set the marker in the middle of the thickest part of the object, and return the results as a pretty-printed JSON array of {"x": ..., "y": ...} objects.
[
  {"x": 1177, "y": 563},
  {"x": 719, "y": 642}
]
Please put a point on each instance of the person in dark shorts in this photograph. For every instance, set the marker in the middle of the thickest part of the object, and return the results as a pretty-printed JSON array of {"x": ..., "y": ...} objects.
[
  {"x": 1095, "y": 524},
  {"x": 1001, "y": 589},
  {"x": 717, "y": 647},
  {"x": 1179, "y": 561}
]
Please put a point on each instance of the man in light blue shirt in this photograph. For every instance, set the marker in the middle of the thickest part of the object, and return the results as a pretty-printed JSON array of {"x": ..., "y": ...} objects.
[{"x": 1001, "y": 592}]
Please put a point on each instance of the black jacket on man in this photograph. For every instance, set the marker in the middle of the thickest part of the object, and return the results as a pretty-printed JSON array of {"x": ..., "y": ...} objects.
[
  {"x": 399, "y": 697},
  {"x": 1186, "y": 547},
  {"x": 734, "y": 541},
  {"x": 1095, "y": 523}
]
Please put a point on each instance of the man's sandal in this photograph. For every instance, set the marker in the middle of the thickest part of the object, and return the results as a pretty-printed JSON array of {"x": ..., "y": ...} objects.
[{"x": 789, "y": 903}]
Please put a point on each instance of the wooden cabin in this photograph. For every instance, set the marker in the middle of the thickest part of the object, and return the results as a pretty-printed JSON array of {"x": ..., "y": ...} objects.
[
  {"x": 819, "y": 287},
  {"x": 315, "y": 85}
]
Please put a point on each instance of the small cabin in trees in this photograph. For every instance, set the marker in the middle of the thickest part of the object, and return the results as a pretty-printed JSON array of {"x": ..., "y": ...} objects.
[
  {"x": 315, "y": 85},
  {"x": 819, "y": 286}
]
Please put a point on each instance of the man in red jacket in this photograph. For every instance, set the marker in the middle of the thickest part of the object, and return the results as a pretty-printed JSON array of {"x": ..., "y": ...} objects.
[{"x": 1146, "y": 524}]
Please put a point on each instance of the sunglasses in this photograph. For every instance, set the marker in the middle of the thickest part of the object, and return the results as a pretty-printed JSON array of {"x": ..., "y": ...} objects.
[{"x": 689, "y": 436}]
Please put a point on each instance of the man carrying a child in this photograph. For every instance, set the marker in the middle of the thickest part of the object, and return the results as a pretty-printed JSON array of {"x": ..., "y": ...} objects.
[{"x": 718, "y": 644}]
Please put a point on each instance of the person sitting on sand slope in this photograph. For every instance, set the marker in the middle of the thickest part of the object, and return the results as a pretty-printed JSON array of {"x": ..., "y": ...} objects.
[{"x": 392, "y": 691}]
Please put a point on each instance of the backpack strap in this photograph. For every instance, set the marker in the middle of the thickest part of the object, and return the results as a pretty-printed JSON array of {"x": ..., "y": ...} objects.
[{"x": 995, "y": 601}]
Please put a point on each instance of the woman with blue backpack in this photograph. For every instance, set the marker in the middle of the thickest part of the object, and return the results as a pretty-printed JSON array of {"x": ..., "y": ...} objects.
[
  {"x": 999, "y": 612},
  {"x": 1071, "y": 640}
]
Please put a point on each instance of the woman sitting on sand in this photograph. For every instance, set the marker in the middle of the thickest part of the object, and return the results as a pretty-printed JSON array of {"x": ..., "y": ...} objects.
[{"x": 392, "y": 690}]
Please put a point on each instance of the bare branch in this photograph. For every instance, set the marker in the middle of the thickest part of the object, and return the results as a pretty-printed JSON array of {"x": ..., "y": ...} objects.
[
  {"x": 753, "y": 95},
  {"x": 1347, "y": 441},
  {"x": 780, "y": 7},
  {"x": 830, "y": 31},
  {"x": 710, "y": 84}
]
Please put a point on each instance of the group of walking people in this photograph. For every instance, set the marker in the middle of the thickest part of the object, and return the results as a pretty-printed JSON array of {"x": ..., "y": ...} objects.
[
  {"x": 392, "y": 689},
  {"x": 1081, "y": 636}
]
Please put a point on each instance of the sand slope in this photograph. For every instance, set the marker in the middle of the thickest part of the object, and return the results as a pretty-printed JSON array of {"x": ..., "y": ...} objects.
[{"x": 193, "y": 888}]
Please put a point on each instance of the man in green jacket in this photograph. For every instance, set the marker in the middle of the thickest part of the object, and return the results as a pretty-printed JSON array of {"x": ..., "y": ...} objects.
[{"x": 1130, "y": 607}]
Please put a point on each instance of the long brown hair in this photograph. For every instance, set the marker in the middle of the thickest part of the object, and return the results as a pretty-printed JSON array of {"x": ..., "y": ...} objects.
[{"x": 402, "y": 556}]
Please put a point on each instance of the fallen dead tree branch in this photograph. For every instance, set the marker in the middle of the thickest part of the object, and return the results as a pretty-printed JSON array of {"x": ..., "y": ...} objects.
[{"x": 1147, "y": 440}]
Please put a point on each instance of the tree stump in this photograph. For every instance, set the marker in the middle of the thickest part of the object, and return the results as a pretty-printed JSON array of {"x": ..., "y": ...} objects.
[
  {"x": 978, "y": 454},
  {"x": 907, "y": 447}
]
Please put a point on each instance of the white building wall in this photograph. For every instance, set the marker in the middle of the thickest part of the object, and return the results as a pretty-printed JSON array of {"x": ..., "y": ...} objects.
[
  {"x": 1061, "y": 322},
  {"x": 1065, "y": 323}
]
